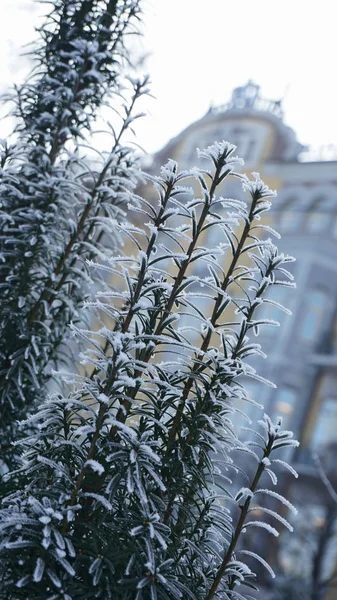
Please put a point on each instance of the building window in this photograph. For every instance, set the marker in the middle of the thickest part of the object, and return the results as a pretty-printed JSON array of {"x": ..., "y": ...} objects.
[
  {"x": 316, "y": 304},
  {"x": 246, "y": 146},
  {"x": 291, "y": 214},
  {"x": 250, "y": 150},
  {"x": 318, "y": 221},
  {"x": 284, "y": 405},
  {"x": 325, "y": 429},
  {"x": 334, "y": 227},
  {"x": 247, "y": 411},
  {"x": 291, "y": 221},
  {"x": 269, "y": 311},
  {"x": 333, "y": 343},
  {"x": 319, "y": 215},
  {"x": 249, "y": 141}
]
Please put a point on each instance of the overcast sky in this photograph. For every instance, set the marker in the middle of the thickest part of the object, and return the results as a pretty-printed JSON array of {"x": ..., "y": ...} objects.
[{"x": 201, "y": 50}]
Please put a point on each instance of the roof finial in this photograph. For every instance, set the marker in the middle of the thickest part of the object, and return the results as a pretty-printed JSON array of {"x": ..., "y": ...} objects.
[{"x": 245, "y": 96}]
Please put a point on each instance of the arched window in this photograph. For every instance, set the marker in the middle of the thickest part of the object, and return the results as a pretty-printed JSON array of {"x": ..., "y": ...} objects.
[
  {"x": 291, "y": 215},
  {"x": 319, "y": 216},
  {"x": 325, "y": 429},
  {"x": 199, "y": 138},
  {"x": 250, "y": 150},
  {"x": 334, "y": 227},
  {"x": 281, "y": 295},
  {"x": 315, "y": 305}
]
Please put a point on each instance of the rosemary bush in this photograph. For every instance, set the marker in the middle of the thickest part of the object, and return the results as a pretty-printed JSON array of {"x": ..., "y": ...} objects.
[
  {"x": 128, "y": 493},
  {"x": 51, "y": 197}
]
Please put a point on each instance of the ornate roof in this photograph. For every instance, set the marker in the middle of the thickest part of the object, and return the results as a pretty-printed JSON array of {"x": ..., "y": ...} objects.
[
  {"x": 246, "y": 101},
  {"x": 248, "y": 97}
]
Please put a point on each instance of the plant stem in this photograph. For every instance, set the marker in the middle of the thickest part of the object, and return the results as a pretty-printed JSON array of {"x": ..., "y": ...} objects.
[
  {"x": 205, "y": 344},
  {"x": 244, "y": 511},
  {"x": 104, "y": 409}
]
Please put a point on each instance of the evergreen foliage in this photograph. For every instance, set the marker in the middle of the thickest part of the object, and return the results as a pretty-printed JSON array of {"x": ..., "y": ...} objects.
[
  {"x": 128, "y": 491},
  {"x": 51, "y": 198}
]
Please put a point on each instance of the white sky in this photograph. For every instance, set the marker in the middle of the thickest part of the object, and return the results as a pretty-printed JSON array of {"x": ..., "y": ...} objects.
[{"x": 202, "y": 50}]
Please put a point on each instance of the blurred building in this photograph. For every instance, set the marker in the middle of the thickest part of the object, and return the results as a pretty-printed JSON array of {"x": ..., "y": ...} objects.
[{"x": 302, "y": 355}]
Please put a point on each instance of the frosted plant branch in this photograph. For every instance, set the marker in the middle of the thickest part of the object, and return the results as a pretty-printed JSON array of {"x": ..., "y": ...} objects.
[
  {"x": 274, "y": 436},
  {"x": 55, "y": 211},
  {"x": 114, "y": 504},
  {"x": 92, "y": 202},
  {"x": 123, "y": 325},
  {"x": 223, "y": 167},
  {"x": 220, "y": 306}
]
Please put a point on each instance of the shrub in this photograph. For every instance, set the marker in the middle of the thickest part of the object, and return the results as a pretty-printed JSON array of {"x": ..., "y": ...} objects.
[
  {"x": 57, "y": 210},
  {"x": 128, "y": 491}
]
